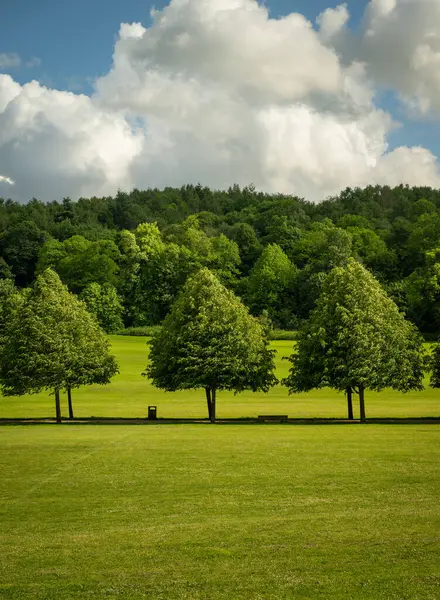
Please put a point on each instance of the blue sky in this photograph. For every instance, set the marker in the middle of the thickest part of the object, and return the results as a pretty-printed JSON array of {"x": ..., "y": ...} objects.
[{"x": 309, "y": 148}]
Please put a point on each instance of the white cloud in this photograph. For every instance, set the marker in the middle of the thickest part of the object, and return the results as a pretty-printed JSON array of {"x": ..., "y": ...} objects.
[
  {"x": 9, "y": 90},
  {"x": 332, "y": 21},
  {"x": 54, "y": 144},
  {"x": 220, "y": 93},
  {"x": 131, "y": 30},
  {"x": 9, "y": 61},
  {"x": 231, "y": 44},
  {"x": 8, "y": 180},
  {"x": 418, "y": 164},
  {"x": 399, "y": 46}
]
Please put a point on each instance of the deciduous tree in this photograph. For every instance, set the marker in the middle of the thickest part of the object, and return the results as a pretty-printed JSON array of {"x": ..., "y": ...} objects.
[
  {"x": 53, "y": 342},
  {"x": 356, "y": 339},
  {"x": 79, "y": 262},
  {"x": 269, "y": 279},
  {"x": 103, "y": 302},
  {"x": 209, "y": 340}
]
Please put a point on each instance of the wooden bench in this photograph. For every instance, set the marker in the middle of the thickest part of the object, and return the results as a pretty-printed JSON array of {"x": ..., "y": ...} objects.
[{"x": 273, "y": 418}]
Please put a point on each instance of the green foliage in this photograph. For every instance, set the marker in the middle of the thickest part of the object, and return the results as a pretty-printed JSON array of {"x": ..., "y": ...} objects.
[
  {"x": 149, "y": 330},
  {"x": 224, "y": 259},
  {"x": 104, "y": 304},
  {"x": 80, "y": 262},
  {"x": 422, "y": 289},
  {"x": 153, "y": 270},
  {"x": 52, "y": 342},
  {"x": 128, "y": 395},
  {"x": 149, "y": 239},
  {"x": 5, "y": 270},
  {"x": 19, "y": 248},
  {"x": 210, "y": 341},
  {"x": 389, "y": 230},
  {"x": 424, "y": 236},
  {"x": 372, "y": 250},
  {"x": 435, "y": 366},
  {"x": 141, "y": 331},
  {"x": 220, "y": 254},
  {"x": 283, "y": 334},
  {"x": 356, "y": 338},
  {"x": 149, "y": 274},
  {"x": 10, "y": 301},
  {"x": 317, "y": 251},
  {"x": 269, "y": 281},
  {"x": 281, "y": 232},
  {"x": 358, "y": 221},
  {"x": 157, "y": 283},
  {"x": 322, "y": 247},
  {"x": 248, "y": 244}
]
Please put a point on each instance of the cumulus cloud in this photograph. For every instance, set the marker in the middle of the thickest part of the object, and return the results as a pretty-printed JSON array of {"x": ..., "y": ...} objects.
[
  {"x": 230, "y": 43},
  {"x": 419, "y": 163},
  {"x": 228, "y": 94},
  {"x": 399, "y": 44},
  {"x": 216, "y": 91},
  {"x": 401, "y": 47},
  {"x": 54, "y": 143},
  {"x": 332, "y": 21}
]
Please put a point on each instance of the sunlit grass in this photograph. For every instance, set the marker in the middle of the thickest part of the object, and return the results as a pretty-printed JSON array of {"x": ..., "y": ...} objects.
[
  {"x": 129, "y": 395},
  {"x": 199, "y": 512}
]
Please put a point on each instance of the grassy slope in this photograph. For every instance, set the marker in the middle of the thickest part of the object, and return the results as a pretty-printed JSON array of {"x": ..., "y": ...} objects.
[
  {"x": 199, "y": 512},
  {"x": 130, "y": 394}
]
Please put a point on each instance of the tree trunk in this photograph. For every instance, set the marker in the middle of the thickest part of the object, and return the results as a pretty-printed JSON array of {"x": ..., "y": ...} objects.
[
  {"x": 69, "y": 401},
  {"x": 213, "y": 399},
  {"x": 209, "y": 402},
  {"x": 58, "y": 405},
  {"x": 350, "y": 403},
  {"x": 362, "y": 403}
]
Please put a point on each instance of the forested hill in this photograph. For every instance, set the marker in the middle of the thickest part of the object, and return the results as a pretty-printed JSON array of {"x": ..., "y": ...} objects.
[{"x": 273, "y": 250}]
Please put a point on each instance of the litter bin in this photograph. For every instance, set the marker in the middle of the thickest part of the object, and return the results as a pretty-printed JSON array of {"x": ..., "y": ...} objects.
[{"x": 152, "y": 412}]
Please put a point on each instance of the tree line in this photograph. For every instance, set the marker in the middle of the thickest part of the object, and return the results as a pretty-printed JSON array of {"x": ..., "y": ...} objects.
[
  {"x": 354, "y": 339},
  {"x": 128, "y": 256}
]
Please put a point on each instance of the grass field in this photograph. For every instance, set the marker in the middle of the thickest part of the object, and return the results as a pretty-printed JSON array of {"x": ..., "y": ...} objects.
[
  {"x": 237, "y": 512},
  {"x": 130, "y": 394},
  {"x": 229, "y": 512}
]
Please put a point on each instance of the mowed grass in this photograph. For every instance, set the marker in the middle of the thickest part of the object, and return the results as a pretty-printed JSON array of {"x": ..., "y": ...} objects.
[
  {"x": 229, "y": 512},
  {"x": 130, "y": 394}
]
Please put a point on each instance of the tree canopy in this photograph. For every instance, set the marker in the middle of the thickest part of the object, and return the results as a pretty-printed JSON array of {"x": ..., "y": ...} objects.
[
  {"x": 209, "y": 340},
  {"x": 146, "y": 242},
  {"x": 104, "y": 304},
  {"x": 269, "y": 281},
  {"x": 80, "y": 262},
  {"x": 356, "y": 339},
  {"x": 53, "y": 342}
]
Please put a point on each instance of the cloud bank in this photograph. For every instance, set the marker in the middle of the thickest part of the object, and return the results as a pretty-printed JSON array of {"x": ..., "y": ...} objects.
[{"x": 218, "y": 92}]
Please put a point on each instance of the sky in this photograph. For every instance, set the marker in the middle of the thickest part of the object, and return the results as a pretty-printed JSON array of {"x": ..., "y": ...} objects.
[{"x": 302, "y": 97}]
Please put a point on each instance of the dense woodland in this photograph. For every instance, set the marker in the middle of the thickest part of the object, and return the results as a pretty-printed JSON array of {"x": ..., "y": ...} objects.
[{"x": 128, "y": 256}]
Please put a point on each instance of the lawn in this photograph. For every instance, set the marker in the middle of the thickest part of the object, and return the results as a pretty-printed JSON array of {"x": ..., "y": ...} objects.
[
  {"x": 129, "y": 395},
  {"x": 228, "y": 512},
  {"x": 235, "y": 512}
]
